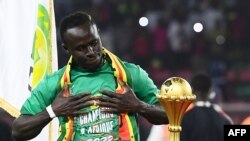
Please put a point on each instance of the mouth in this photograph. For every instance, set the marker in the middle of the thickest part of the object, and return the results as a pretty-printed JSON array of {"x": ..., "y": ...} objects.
[
  {"x": 90, "y": 62},
  {"x": 93, "y": 59},
  {"x": 93, "y": 63}
]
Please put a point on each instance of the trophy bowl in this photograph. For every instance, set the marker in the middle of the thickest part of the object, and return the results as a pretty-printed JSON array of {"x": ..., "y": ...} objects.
[{"x": 175, "y": 96}]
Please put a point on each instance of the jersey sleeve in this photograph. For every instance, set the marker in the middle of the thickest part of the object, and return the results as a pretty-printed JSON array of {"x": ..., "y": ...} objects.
[
  {"x": 143, "y": 86},
  {"x": 41, "y": 96}
]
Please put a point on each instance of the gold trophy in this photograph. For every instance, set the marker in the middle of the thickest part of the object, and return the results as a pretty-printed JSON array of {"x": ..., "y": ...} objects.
[{"x": 175, "y": 96}]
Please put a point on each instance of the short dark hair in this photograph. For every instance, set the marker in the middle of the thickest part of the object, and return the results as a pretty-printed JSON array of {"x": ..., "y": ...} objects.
[
  {"x": 75, "y": 19},
  {"x": 201, "y": 82}
]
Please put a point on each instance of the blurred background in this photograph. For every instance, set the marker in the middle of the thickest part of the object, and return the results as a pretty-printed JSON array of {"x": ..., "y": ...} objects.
[{"x": 177, "y": 38}]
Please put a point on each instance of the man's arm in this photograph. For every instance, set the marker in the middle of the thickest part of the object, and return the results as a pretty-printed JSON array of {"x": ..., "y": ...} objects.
[
  {"x": 155, "y": 114},
  {"x": 26, "y": 127}
]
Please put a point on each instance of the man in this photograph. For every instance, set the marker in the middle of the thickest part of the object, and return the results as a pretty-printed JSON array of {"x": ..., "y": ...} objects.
[
  {"x": 205, "y": 121},
  {"x": 96, "y": 96}
]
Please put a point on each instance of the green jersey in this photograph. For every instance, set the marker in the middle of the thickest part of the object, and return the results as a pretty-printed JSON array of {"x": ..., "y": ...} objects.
[{"x": 94, "y": 126}]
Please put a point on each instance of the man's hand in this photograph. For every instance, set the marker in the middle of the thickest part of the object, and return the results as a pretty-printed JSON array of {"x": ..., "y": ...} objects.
[
  {"x": 71, "y": 105},
  {"x": 127, "y": 102}
]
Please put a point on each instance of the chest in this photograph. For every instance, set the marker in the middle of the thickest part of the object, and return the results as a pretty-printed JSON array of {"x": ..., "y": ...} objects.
[{"x": 93, "y": 82}]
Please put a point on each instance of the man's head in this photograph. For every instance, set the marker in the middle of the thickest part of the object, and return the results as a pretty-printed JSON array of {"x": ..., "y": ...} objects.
[
  {"x": 80, "y": 38},
  {"x": 201, "y": 85}
]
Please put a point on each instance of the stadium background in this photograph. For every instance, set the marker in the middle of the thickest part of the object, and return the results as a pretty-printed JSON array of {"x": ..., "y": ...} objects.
[{"x": 168, "y": 45}]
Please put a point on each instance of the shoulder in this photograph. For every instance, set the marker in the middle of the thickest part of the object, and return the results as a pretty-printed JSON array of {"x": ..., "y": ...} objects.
[
  {"x": 134, "y": 69},
  {"x": 130, "y": 65},
  {"x": 50, "y": 81},
  {"x": 222, "y": 113},
  {"x": 138, "y": 74},
  {"x": 143, "y": 85},
  {"x": 56, "y": 75}
]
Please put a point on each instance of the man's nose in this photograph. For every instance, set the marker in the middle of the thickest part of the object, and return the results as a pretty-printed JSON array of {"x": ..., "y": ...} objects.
[{"x": 90, "y": 50}]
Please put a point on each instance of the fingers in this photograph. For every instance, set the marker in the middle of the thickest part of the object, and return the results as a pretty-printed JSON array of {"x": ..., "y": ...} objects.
[
  {"x": 85, "y": 100},
  {"x": 108, "y": 104},
  {"x": 86, "y": 104},
  {"x": 76, "y": 107}
]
